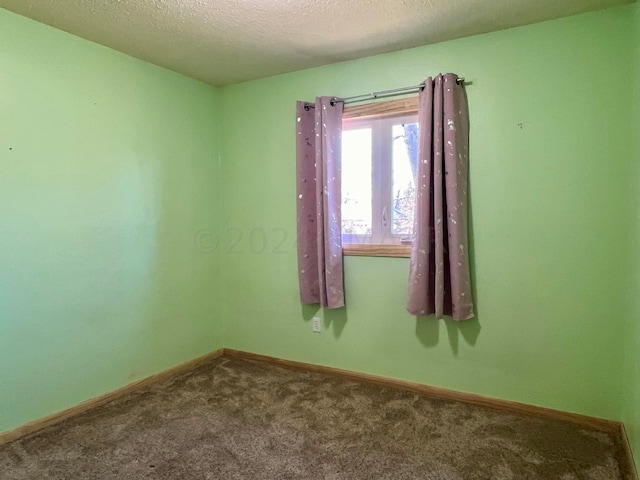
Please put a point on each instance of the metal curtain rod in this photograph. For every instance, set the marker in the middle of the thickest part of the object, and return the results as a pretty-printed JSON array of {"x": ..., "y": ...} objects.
[{"x": 385, "y": 93}]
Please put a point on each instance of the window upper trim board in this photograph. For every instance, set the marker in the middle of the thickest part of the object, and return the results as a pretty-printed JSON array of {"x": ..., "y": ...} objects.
[{"x": 388, "y": 108}]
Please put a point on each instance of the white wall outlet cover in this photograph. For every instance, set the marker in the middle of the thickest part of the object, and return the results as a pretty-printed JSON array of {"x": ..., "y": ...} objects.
[{"x": 316, "y": 324}]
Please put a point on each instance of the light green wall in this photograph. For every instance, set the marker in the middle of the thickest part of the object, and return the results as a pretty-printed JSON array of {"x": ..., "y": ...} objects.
[
  {"x": 108, "y": 166},
  {"x": 550, "y": 149},
  {"x": 631, "y": 396}
]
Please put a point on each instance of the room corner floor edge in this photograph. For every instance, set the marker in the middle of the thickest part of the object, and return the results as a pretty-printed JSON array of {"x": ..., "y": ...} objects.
[
  {"x": 91, "y": 403},
  {"x": 626, "y": 460}
]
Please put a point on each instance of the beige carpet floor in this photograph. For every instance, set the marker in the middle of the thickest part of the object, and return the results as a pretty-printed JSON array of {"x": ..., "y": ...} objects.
[{"x": 237, "y": 419}]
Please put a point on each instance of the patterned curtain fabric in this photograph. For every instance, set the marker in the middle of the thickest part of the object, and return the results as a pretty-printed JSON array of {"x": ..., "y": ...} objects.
[
  {"x": 439, "y": 280},
  {"x": 318, "y": 167}
]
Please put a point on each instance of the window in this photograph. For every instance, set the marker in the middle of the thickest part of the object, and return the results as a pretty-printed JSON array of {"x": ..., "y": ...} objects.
[{"x": 379, "y": 160}]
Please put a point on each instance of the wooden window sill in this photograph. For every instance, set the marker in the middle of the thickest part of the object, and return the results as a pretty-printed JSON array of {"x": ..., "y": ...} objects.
[{"x": 361, "y": 250}]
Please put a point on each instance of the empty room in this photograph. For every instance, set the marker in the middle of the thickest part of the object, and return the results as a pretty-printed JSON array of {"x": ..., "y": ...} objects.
[{"x": 315, "y": 239}]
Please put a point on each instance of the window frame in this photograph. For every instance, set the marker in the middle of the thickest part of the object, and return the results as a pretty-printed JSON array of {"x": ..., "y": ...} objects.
[{"x": 360, "y": 115}]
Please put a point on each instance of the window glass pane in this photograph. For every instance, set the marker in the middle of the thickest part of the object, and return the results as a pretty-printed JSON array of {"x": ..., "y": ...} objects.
[
  {"x": 356, "y": 181},
  {"x": 404, "y": 167}
]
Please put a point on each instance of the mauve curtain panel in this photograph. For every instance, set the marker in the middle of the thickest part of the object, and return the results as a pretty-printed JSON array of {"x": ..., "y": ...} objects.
[
  {"x": 318, "y": 167},
  {"x": 439, "y": 280}
]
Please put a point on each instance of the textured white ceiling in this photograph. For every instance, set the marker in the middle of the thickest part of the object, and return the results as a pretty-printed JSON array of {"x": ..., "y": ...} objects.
[{"x": 228, "y": 41}]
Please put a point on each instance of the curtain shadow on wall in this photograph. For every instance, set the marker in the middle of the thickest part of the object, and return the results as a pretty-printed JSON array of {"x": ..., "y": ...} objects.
[
  {"x": 309, "y": 311},
  {"x": 428, "y": 331}
]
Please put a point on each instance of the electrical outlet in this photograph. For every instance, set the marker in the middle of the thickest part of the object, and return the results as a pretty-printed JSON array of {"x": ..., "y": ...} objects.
[{"x": 316, "y": 324}]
